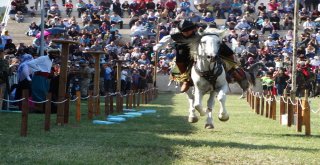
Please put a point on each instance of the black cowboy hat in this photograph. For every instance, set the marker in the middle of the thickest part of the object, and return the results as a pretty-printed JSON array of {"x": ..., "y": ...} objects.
[{"x": 186, "y": 25}]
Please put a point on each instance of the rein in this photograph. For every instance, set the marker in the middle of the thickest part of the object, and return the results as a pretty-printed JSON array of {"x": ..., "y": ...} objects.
[{"x": 210, "y": 75}]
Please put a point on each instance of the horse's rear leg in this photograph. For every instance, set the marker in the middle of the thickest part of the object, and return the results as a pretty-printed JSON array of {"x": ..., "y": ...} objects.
[
  {"x": 210, "y": 104},
  {"x": 223, "y": 114}
]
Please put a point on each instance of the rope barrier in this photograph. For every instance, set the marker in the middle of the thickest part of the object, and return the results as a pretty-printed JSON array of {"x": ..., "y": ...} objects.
[
  {"x": 292, "y": 101},
  {"x": 284, "y": 100},
  {"x": 84, "y": 98},
  {"x": 95, "y": 96},
  {"x": 59, "y": 102},
  {"x": 74, "y": 99},
  {"x": 38, "y": 102},
  {"x": 12, "y": 101}
]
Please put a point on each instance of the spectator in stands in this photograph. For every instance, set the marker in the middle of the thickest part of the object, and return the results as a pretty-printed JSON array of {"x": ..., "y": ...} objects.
[
  {"x": 69, "y": 7},
  {"x": 247, "y": 6},
  {"x": 33, "y": 29},
  {"x": 275, "y": 20},
  {"x": 231, "y": 21},
  {"x": 232, "y": 34},
  {"x": 185, "y": 6},
  {"x": 303, "y": 15},
  {"x": 150, "y": 5},
  {"x": 208, "y": 18},
  {"x": 236, "y": 7},
  {"x": 10, "y": 47},
  {"x": 19, "y": 17},
  {"x": 225, "y": 7},
  {"x": 52, "y": 12},
  {"x": 310, "y": 51},
  {"x": 81, "y": 7},
  {"x": 116, "y": 5},
  {"x": 194, "y": 17},
  {"x": 243, "y": 37},
  {"x": 309, "y": 25},
  {"x": 272, "y": 7},
  {"x": 254, "y": 37},
  {"x": 243, "y": 24},
  {"x": 287, "y": 22},
  {"x": 266, "y": 26},
  {"x": 116, "y": 19},
  {"x": 249, "y": 18}
]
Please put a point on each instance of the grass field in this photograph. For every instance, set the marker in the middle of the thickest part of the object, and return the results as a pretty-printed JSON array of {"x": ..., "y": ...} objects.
[{"x": 162, "y": 138}]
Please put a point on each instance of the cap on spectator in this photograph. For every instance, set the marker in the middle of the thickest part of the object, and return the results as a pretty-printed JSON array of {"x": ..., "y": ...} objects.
[
  {"x": 141, "y": 65},
  {"x": 316, "y": 57}
]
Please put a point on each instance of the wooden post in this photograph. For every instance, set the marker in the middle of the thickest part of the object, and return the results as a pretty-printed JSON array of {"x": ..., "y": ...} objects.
[
  {"x": 47, "y": 113},
  {"x": 298, "y": 108},
  {"x": 274, "y": 108},
  {"x": 66, "y": 110},
  {"x": 257, "y": 108},
  {"x": 24, "y": 113},
  {"x": 106, "y": 105},
  {"x": 306, "y": 114},
  {"x": 78, "y": 106},
  {"x": 96, "y": 80},
  {"x": 138, "y": 99},
  {"x": 63, "y": 77},
  {"x": 248, "y": 96},
  {"x": 262, "y": 106},
  {"x": 121, "y": 103},
  {"x": 111, "y": 104},
  {"x": 134, "y": 99},
  {"x": 118, "y": 107},
  {"x": 267, "y": 106},
  {"x": 127, "y": 99},
  {"x": 253, "y": 98},
  {"x": 282, "y": 108},
  {"x": 90, "y": 104},
  {"x": 290, "y": 112},
  {"x": 143, "y": 95},
  {"x": 146, "y": 93},
  {"x": 130, "y": 99}
]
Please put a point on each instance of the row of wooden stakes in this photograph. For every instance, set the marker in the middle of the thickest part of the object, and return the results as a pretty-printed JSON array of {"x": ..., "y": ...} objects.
[
  {"x": 291, "y": 112},
  {"x": 132, "y": 99}
]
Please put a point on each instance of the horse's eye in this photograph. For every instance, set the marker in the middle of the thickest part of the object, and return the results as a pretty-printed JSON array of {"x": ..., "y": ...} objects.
[{"x": 208, "y": 57}]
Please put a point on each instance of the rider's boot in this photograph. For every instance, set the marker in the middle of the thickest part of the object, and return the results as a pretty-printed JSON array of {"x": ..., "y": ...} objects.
[{"x": 184, "y": 77}]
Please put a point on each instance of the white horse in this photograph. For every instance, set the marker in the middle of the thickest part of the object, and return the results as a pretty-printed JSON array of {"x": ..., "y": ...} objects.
[{"x": 208, "y": 76}]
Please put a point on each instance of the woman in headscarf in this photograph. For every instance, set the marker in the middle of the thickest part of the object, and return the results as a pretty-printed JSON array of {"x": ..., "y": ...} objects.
[{"x": 24, "y": 79}]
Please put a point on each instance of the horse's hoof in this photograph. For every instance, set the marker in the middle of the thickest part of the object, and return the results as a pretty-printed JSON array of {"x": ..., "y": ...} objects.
[
  {"x": 241, "y": 97},
  {"x": 208, "y": 126},
  {"x": 193, "y": 119},
  {"x": 223, "y": 117}
]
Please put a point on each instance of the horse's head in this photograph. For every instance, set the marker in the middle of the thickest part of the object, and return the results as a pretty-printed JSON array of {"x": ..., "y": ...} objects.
[{"x": 209, "y": 46}]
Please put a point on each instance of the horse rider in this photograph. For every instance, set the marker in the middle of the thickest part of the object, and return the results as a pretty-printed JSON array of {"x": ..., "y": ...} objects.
[{"x": 188, "y": 34}]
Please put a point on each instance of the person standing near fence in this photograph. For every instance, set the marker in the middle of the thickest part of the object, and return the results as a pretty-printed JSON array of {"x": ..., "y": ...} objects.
[
  {"x": 41, "y": 67},
  {"x": 4, "y": 70}
]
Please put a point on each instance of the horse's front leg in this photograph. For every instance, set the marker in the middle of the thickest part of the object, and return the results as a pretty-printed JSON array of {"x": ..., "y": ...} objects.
[
  {"x": 192, "y": 118},
  {"x": 209, "y": 111},
  {"x": 198, "y": 94},
  {"x": 223, "y": 114}
]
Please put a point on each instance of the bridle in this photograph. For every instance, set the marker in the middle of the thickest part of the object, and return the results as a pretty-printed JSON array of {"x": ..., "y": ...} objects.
[{"x": 210, "y": 75}]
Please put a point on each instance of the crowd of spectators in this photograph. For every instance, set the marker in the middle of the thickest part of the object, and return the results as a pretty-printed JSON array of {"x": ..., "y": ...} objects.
[{"x": 97, "y": 25}]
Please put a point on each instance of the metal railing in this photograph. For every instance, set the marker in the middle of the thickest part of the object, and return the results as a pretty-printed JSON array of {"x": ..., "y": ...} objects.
[{"x": 6, "y": 15}]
